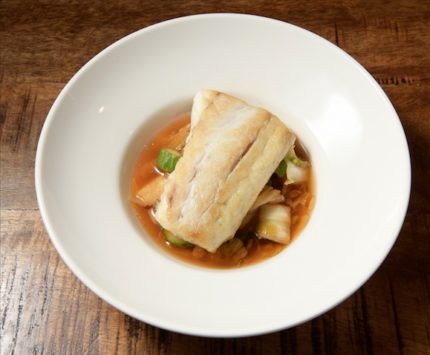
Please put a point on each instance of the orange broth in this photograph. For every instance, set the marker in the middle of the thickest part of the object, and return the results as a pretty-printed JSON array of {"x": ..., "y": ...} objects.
[{"x": 258, "y": 250}]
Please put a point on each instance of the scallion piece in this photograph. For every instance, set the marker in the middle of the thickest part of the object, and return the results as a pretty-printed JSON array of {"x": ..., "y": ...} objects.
[
  {"x": 167, "y": 159},
  {"x": 293, "y": 158},
  {"x": 176, "y": 241},
  {"x": 281, "y": 169}
]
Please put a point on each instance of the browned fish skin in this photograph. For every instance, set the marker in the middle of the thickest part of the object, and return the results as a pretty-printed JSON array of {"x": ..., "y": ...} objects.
[{"x": 232, "y": 150}]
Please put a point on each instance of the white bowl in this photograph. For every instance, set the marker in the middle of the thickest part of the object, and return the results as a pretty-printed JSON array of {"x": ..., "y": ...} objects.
[{"x": 116, "y": 102}]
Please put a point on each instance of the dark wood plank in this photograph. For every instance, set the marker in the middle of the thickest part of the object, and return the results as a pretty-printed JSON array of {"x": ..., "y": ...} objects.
[{"x": 46, "y": 310}]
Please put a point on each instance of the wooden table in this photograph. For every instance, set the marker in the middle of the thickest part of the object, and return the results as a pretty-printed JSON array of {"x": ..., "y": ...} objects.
[{"x": 45, "y": 309}]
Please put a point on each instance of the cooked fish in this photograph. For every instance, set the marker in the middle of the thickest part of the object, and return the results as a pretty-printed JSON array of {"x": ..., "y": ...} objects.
[{"x": 231, "y": 152}]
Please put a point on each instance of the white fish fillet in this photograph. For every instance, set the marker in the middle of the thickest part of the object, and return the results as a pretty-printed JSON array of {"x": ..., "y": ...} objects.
[{"x": 231, "y": 152}]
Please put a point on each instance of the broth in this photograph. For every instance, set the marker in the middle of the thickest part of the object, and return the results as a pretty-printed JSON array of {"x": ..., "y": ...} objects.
[{"x": 258, "y": 249}]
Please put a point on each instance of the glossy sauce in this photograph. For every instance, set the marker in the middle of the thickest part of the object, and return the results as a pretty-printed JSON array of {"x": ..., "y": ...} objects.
[{"x": 258, "y": 249}]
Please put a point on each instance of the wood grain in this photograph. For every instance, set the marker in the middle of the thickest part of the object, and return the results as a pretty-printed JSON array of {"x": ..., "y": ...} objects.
[{"x": 45, "y": 309}]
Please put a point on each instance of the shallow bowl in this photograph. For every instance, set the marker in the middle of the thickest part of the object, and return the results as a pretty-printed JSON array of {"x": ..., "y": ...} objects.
[{"x": 120, "y": 98}]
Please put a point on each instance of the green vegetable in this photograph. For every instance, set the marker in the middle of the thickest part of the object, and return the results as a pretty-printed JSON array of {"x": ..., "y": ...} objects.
[
  {"x": 293, "y": 158},
  {"x": 174, "y": 240},
  {"x": 167, "y": 159},
  {"x": 281, "y": 169}
]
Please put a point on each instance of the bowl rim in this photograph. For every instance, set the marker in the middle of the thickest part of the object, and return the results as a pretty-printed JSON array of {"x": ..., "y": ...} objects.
[{"x": 174, "y": 326}]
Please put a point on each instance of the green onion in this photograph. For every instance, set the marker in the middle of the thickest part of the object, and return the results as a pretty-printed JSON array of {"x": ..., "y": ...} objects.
[
  {"x": 174, "y": 240},
  {"x": 167, "y": 159},
  {"x": 293, "y": 158},
  {"x": 281, "y": 169}
]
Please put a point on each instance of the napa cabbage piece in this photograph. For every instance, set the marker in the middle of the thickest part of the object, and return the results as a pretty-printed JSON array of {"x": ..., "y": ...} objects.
[
  {"x": 267, "y": 195},
  {"x": 274, "y": 223},
  {"x": 233, "y": 249},
  {"x": 297, "y": 170}
]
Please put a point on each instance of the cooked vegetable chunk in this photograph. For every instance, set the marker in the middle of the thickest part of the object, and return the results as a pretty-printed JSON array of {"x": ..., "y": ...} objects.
[
  {"x": 297, "y": 170},
  {"x": 281, "y": 169},
  {"x": 148, "y": 195},
  {"x": 267, "y": 195},
  {"x": 233, "y": 249},
  {"x": 176, "y": 241},
  {"x": 274, "y": 223},
  {"x": 167, "y": 159},
  {"x": 296, "y": 173},
  {"x": 293, "y": 158}
]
